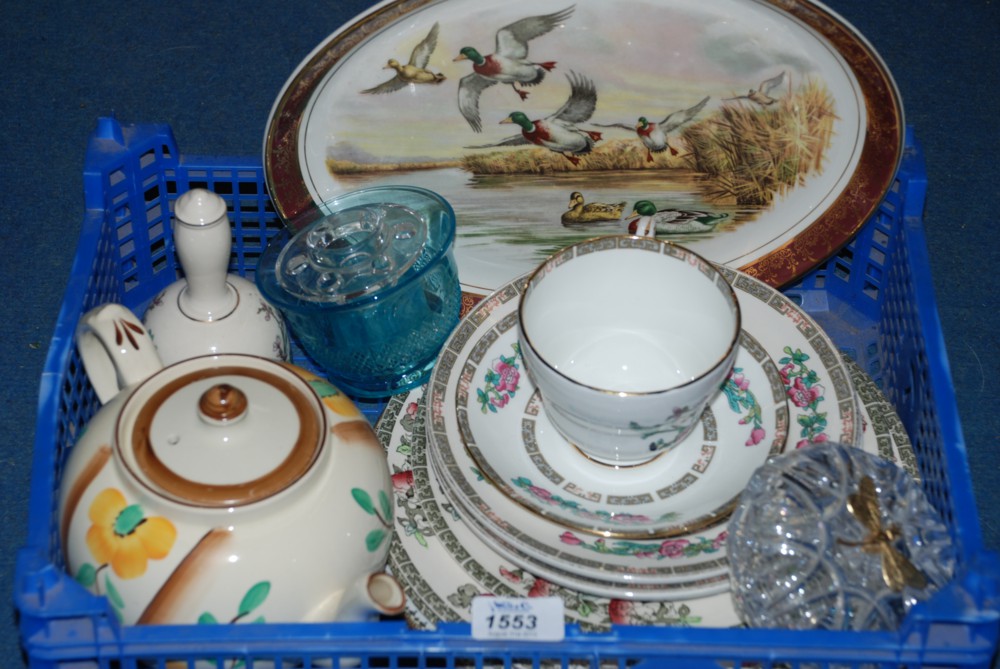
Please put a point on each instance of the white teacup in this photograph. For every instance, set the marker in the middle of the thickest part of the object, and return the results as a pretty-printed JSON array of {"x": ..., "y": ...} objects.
[{"x": 628, "y": 339}]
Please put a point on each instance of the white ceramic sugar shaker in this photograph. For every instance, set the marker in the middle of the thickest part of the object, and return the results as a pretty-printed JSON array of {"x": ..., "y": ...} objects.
[{"x": 210, "y": 311}]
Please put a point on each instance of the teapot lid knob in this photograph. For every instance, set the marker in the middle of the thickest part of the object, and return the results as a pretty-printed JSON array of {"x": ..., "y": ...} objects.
[{"x": 222, "y": 404}]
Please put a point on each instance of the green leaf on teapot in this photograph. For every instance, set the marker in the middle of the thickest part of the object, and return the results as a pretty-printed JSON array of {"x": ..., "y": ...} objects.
[
  {"x": 324, "y": 388},
  {"x": 386, "y": 505},
  {"x": 255, "y": 597},
  {"x": 374, "y": 539},
  {"x": 113, "y": 595},
  {"x": 207, "y": 619},
  {"x": 86, "y": 575},
  {"x": 129, "y": 519},
  {"x": 363, "y": 499}
]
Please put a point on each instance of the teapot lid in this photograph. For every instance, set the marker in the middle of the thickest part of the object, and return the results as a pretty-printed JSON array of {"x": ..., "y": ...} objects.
[{"x": 221, "y": 431}]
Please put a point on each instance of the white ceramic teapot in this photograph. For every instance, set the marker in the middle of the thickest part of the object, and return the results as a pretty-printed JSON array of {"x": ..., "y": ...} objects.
[{"x": 223, "y": 489}]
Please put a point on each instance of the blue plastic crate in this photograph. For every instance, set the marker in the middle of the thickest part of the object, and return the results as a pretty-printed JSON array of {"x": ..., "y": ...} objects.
[{"x": 874, "y": 298}]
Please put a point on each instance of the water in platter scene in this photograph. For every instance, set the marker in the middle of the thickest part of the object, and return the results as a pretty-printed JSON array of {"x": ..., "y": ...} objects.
[{"x": 507, "y": 225}]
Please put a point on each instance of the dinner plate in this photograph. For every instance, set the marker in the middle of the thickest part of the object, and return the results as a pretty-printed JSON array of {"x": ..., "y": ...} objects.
[
  {"x": 789, "y": 128},
  {"x": 443, "y": 565},
  {"x": 600, "y": 576},
  {"x": 505, "y": 432},
  {"x": 822, "y": 403}
]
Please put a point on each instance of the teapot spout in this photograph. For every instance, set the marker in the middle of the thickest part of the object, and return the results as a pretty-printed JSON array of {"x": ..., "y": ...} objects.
[
  {"x": 371, "y": 595},
  {"x": 384, "y": 594}
]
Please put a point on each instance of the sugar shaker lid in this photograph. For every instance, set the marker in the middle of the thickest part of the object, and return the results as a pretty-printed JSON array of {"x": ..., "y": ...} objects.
[{"x": 199, "y": 207}]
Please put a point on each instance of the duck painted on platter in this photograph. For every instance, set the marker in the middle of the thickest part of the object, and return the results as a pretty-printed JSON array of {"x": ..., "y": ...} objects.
[
  {"x": 415, "y": 70},
  {"x": 777, "y": 123},
  {"x": 509, "y": 64},
  {"x": 581, "y": 212},
  {"x": 648, "y": 221},
  {"x": 655, "y": 136},
  {"x": 561, "y": 131}
]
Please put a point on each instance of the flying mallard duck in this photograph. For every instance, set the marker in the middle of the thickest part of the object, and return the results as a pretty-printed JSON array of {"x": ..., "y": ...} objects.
[
  {"x": 415, "y": 71},
  {"x": 509, "y": 64},
  {"x": 590, "y": 212},
  {"x": 762, "y": 95},
  {"x": 559, "y": 132},
  {"x": 651, "y": 221},
  {"x": 654, "y": 135}
]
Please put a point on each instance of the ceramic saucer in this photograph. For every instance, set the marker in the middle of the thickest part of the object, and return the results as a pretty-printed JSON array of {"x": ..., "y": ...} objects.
[
  {"x": 516, "y": 448},
  {"x": 509, "y": 440}
]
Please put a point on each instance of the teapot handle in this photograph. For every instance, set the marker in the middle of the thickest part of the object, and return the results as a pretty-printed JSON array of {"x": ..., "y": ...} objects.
[{"x": 116, "y": 350}]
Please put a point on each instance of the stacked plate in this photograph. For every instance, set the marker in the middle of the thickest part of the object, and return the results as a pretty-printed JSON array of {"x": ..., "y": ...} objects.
[
  {"x": 466, "y": 524},
  {"x": 655, "y": 531}
]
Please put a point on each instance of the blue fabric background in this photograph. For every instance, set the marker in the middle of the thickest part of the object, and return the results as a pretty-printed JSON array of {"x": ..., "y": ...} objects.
[{"x": 213, "y": 69}]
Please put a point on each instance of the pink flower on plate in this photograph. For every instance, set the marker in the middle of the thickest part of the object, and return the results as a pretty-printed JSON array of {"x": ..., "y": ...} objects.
[
  {"x": 741, "y": 381},
  {"x": 542, "y": 494},
  {"x": 411, "y": 409},
  {"x": 720, "y": 540},
  {"x": 673, "y": 547},
  {"x": 540, "y": 588},
  {"x": 511, "y": 576},
  {"x": 818, "y": 439},
  {"x": 783, "y": 372},
  {"x": 500, "y": 401},
  {"x": 509, "y": 376},
  {"x": 801, "y": 395},
  {"x": 570, "y": 538},
  {"x": 620, "y": 611},
  {"x": 402, "y": 481},
  {"x": 756, "y": 436}
]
